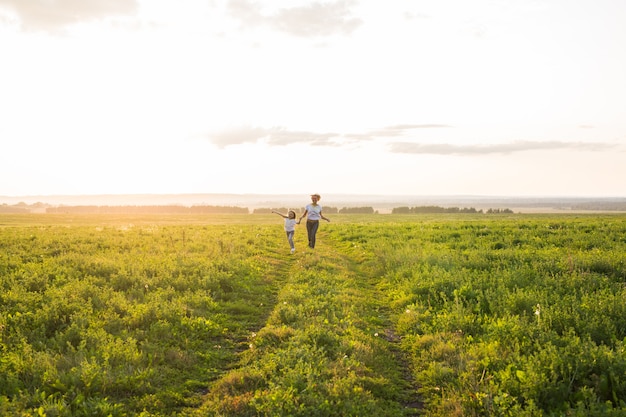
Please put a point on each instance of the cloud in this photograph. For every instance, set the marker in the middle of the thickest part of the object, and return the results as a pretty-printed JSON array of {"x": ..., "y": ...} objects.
[
  {"x": 401, "y": 130},
  {"x": 286, "y": 137},
  {"x": 504, "y": 148},
  {"x": 279, "y": 136},
  {"x": 392, "y": 131},
  {"x": 54, "y": 15},
  {"x": 314, "y": 20},
  {"x": 238, "y": 136},
  {"x": 275, "y": 136}
]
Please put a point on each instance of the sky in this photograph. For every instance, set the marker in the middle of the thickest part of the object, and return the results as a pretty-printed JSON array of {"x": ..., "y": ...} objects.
[{"x": 446, "y": 97}]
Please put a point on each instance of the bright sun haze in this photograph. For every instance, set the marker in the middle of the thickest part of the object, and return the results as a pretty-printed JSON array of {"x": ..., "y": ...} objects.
[{"x": 395, "y": 97}]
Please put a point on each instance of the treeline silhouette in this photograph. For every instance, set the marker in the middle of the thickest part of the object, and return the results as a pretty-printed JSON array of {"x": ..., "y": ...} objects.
[
  {"x": 497, "y": 211},
  {"x": 327, "y": 210},
  {"x": 13, "y": 209},
  {"x": 438, "y": 209},
  {"x": 147, "y": 210},
  {"x": 357, "y": 210},
  {"x": 209, "y": 209}
]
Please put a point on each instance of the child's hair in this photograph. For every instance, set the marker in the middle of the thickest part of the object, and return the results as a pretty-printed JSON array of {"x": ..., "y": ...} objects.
[{"x": 291, "y": 214}]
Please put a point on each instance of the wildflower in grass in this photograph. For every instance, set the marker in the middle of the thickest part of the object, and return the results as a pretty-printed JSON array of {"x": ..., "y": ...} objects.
[{"x": 538, "y": 313}]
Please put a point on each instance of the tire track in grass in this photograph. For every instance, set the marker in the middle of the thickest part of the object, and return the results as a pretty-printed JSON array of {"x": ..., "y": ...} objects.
[
  {"x": 324, "y": 349},
  {"x": 379, "y": 317}
]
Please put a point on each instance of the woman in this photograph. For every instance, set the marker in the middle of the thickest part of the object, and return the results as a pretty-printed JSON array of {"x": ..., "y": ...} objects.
[{"x": 313, "y": 212}]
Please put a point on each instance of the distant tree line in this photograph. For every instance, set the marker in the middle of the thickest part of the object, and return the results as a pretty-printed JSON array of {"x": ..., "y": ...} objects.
[
  {"x": 147, "y": 210},
  {"x": 357, "y": 210},
  {"x": 13, "y": 209},
  {"x": 327, "y": 210},
  {"x": 438, "y": 209},
  {"x": 498, "y": 211},
  {"x": 22, "y": 207},
  {"x": 601, "y": 205},
  {"x": 433, "y": 209},
  {"x": 208, "y": 209},
  {"x": 265, "y": 210}
]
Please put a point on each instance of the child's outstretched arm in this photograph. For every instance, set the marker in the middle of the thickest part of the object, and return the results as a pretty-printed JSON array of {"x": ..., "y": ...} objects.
[{"x": 280, "y": 214}]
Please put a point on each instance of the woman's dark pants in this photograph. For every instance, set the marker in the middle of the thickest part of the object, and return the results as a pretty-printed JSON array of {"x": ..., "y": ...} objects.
[{"x": 311, "y": 230}]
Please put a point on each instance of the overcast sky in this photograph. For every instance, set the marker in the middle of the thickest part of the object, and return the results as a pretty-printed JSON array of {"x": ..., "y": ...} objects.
[{"x": 445, "y": 97}]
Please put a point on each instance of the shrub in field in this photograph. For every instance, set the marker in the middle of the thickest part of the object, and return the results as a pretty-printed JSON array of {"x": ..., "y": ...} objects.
[
  {"x": 511, "y": 317},
  {"x": 123, "y": 320},
  {"x": 315, "y": 356},
  {"x": 438, "y": 315}
]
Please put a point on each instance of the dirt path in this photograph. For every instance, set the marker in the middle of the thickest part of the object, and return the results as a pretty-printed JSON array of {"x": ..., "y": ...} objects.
[
  {"x": 327, "y": 346},
  {"x": 378, "y": 316}
]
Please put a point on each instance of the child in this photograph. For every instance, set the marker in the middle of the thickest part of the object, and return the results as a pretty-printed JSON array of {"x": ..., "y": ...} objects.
[{"x": 290, "y": 226}]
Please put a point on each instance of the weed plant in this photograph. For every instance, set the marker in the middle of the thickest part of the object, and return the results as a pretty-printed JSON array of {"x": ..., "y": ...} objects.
[
  {"x": 119, "y": 319},
  {"x": 390, "y": 315},
  {"x": 513, "y": 316}
]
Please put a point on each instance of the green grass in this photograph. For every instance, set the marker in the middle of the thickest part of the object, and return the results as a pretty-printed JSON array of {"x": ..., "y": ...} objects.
[{"x": 390, "y": 315}]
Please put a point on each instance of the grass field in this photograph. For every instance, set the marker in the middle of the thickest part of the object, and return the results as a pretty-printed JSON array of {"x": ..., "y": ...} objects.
[{"x": 390, "y": 315}]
